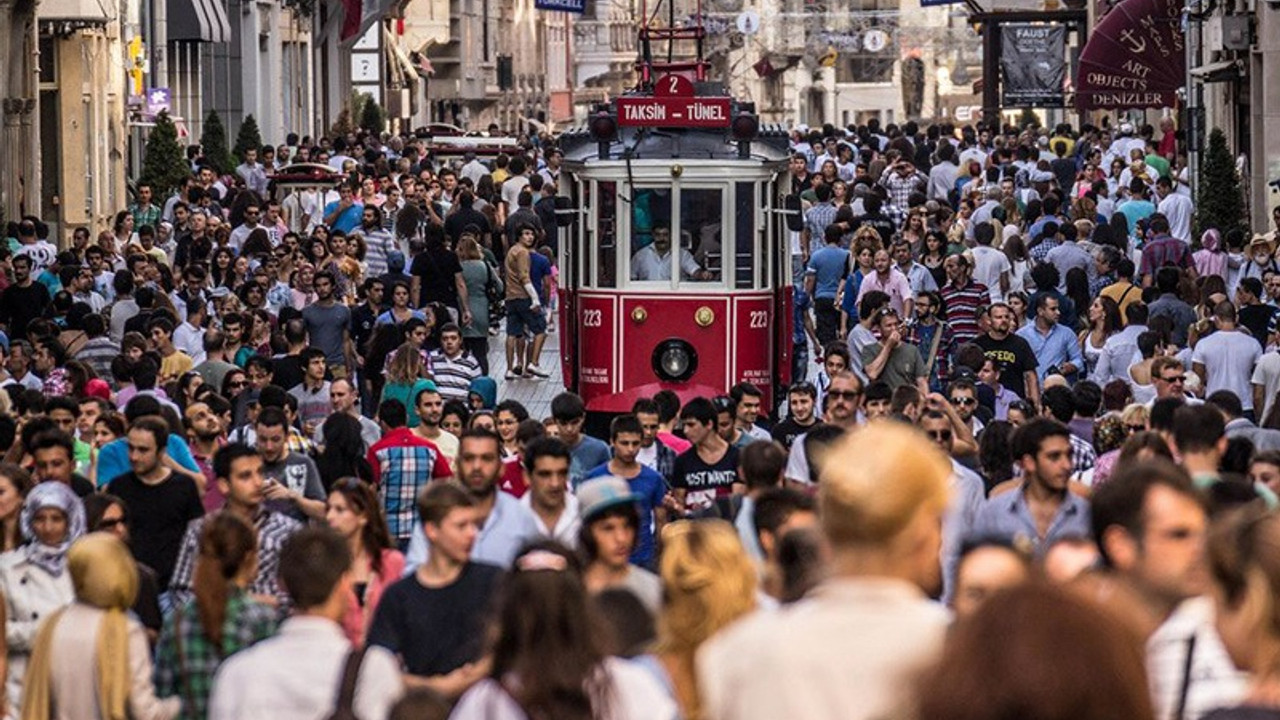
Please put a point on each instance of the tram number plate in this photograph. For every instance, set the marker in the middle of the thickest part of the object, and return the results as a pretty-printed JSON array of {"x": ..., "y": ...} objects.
[
  {"x": 593, "y": 318},
  {"x": 673, "y": 111}
]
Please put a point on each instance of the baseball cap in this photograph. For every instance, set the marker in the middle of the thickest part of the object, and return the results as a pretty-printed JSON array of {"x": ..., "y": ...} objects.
[{"x": 599, "y": 494}]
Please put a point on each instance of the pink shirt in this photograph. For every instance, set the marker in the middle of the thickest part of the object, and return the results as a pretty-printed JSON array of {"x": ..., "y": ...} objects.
[
  {"x": 896, "y": 286},
  {"x": 678, "y": 444},
  {"x": 356, "y": 622}
]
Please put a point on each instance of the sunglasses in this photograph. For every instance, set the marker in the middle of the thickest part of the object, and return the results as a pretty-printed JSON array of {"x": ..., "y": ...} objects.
[
  {"x": 1174, "y": 379},
  {"x": 109, "y": 524},
  {"x": 940, "y": 434},
  {"x": 844, "y": 394},
  {"x": 1135, "y": 428},
  {"x": 964, "y": 401},
  {"x": 237, "y": 384}
]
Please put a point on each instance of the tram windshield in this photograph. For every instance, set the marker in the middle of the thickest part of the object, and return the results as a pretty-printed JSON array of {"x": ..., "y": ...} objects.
[{"x": 664, "y": 242}]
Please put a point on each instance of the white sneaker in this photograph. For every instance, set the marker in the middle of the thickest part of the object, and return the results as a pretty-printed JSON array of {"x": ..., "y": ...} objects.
[{"x": 536, "y": 371}]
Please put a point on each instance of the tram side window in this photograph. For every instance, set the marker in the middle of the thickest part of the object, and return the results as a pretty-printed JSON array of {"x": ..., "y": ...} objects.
[
  {"x": 651, "y": 234},
  {"x": 607, "y": 235},
  {"x": 701, "y": 235},
  {"x": 744, "y": 211}
]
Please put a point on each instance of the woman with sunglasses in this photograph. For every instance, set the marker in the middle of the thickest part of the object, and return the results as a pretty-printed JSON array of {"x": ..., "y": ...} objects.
[
  {"x": 354, "y": 511},
  {"x": 566, "y": 674}
]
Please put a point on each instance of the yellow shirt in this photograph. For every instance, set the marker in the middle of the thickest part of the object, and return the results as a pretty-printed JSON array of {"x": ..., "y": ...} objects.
[{"x": 174, "y": 366}]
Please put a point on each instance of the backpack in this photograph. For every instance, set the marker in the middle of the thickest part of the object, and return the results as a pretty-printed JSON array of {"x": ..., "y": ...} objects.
[{"x": 345, "y": 709}]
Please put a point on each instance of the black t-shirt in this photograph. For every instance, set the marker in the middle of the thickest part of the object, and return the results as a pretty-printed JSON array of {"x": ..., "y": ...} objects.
[
  {"x": 20, "y": 305},
  {"x": 286, "y": 371},
  {"x": 1256, "y": 318},
  {"x": 436, "y": 268},
  {"x": 461, "y": 218},
  {"x": 1015, "y": 358},
  {"x": 437, "y": 630},
  {"x": 788, "y": 430},
  {"x": 82, "y": 486},
  {"x": 158, "y": 518},
  {"x": 705, "y": 483}
]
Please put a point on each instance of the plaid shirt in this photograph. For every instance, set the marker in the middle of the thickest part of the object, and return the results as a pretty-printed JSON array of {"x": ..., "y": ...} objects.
[
  {"x": 186, "y": 660},
  {"x": 273, "y": 530},
  {"x": 940, "y": 373},
  {"x": 1041, "y": 251},
  {"x": 900, "y": 188},
  {"x": 1083, "y": 456},
  {"x": 816, "y": 221},
  {"x": 148, "y": 214},
  {"x": 403, "y": 464}
]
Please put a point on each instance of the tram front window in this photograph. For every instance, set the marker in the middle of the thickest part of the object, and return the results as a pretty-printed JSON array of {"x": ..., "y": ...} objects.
[
  {"x": 701, "y": 226},
  {"x": 653, "y": 261}
]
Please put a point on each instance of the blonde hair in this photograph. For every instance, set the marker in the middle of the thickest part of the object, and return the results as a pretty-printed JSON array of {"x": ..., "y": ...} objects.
[
  {"x": 406, "y": 364},
  {"x": 469, "y": 249},
  {"x": 708, "y": 582},
  {"x": 876, "y": 480},
  {"x": 1135, "y": 413}
]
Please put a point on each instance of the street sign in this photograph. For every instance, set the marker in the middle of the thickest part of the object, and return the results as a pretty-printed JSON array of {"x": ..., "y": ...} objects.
[
  {"x": 572, "y": 6},
  {"x": 701, "y": 112}
]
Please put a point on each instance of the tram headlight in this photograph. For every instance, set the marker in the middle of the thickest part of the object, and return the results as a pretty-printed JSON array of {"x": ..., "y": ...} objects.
[{"x": 675, "y": 360}]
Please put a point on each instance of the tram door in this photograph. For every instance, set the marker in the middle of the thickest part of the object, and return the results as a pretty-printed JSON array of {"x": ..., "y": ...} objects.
[
  {"x": 573, "y": 267},
  {"x": 782, "y": 244}
]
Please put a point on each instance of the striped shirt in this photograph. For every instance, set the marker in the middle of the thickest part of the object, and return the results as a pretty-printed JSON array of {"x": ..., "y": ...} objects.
[
  {"x": 377, "y": 244},
  {"x": 453, "y": 376},
  {"x": 962, "y": 308},
  {"x": 98, "y": 354}
]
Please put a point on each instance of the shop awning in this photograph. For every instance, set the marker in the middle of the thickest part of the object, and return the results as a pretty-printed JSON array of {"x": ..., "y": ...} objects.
[
  {"x": 403, "y": 65},
  {"x": 1134, "y": 57},
  {"x": 199, "y": 20},
  {"x": 1222, "y": 71}
]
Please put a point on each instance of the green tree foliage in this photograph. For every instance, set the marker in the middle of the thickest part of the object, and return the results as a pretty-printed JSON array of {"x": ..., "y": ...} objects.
[
  {"x": 165, "y": 165},
  {"x": 214, "y": 144},
  {"x": 249, "y": 137},
  {"x": 1220, "y": 203},
  {"x": 372, "y": 118}
]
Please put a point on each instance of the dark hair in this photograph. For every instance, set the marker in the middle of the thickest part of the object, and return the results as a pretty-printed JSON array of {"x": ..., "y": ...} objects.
[
  {"x": 227, "y": 543},
  {"x": 668, "y": 405},
  {"x": 363, "y": 500},
  {"x": 1198, "y": 428},
  {"x": 548, "y": 637},
  {"x": 1227, "y": 402},
  {"x": 344, "y": 451},
  {"x": 567, "y": 406},
  {"x": 1057, "y": 654},
  {"x": 269, "y": 417},
  {"x": 1120, "y": 501},
  {"x": 226, "y": 456},
  {"x": 1060, "y": 403},
  {"x": 701, "y": 410},
  {"x": 53, "y": 439},
  {"x": 776, "y": 505},
  {"x": 439, "y": 499},
  {"x": 587, "y": 541},
  {"x": 878, "y": 390},
  {"x": 1028, "y": 438},
  {"x": 995, "y": 452},
  {"x": 762, "y": 464},
  {"x": 312, "y": 562},
  {"x": 393, "y": 414},
  {"x": 628, "y": 424},
  {"x": 1162, "y": 412},
  {"x": 544, "y": 447},
  {"x": 158, "y": 428}
]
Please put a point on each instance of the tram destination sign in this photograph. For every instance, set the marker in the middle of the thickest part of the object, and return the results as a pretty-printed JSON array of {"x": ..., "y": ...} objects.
[{"x": 690, "y": 112}]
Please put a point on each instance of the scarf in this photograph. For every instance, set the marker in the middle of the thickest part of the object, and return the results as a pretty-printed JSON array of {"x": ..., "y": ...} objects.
[
  {"x": 1209, "y": 260},
  {"x": 105, "y": 577},
  {"x": 51, "y": 558}
]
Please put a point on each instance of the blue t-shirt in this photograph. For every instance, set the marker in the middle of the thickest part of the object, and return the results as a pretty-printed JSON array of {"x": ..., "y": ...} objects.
[
  {"x": 849, "y": 303},
  {"x": 349, "y": 219},
  {"x": 113, "y": 458},
  {"x": 586, "y": 455},
  {"x": 539, "y": 268},
  {"x": 651, "y": 488},
  {"x": 828, "y": 266}
]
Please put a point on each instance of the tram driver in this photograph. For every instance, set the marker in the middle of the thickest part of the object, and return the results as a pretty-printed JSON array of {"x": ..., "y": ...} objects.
[{"x": 653, "y": 261}]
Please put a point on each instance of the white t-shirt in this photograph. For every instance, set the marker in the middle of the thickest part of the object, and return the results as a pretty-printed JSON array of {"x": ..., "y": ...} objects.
[
  {"x": 511, "y": 188},
  {"x": 988, "y": 264},
  {"x": 1228, "y": 359},
  {"x": 637, "y": 695},
  {"x": 1178, "y": 208},
  {"x": 1267, "y": 374}
]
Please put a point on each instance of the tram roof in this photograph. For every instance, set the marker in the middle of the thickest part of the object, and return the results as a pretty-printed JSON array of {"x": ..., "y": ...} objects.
[{"x": 770, "y": 145}]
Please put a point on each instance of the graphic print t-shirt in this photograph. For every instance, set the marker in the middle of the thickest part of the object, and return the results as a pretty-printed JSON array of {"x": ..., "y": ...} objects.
[{"x": 704, "y": 482}]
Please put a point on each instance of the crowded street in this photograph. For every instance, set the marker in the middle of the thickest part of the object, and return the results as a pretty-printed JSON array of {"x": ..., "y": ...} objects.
[{"x": 578, "y": 363}]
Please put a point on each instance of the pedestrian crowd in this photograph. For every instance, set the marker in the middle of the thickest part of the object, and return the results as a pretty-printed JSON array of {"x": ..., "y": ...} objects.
[{"x": 255, "y": 465}]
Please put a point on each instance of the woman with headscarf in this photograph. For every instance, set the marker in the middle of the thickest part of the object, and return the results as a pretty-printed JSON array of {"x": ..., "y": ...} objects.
[
  {"x": 1211, "y": 258},
  {"x": 34, "y": 578},
  {"x": 91, "y": 660}
]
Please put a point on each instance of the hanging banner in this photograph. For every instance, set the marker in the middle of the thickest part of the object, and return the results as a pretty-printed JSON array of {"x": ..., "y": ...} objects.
[
  {"x": 1134, "y": 57},
  {"x": 1033, "y": 64}
]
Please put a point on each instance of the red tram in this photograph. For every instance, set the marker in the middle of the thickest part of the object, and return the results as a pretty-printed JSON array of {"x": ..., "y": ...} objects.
[{"x": 676, "y": 267}]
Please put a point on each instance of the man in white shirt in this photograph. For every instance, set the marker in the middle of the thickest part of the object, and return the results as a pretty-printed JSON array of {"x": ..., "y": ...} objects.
[
  {"x": 1178, "y": 208},
  {"x": 653, "y": 261},
  {"x": 546, "y": 470},
  {"x": 297, "y": 673},
  {"x": 241, "y": 233},
  {"x": 188, "y": 337},
  {"x": 1224, "y": 360},
  {"x": 991, "y": 267}
]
